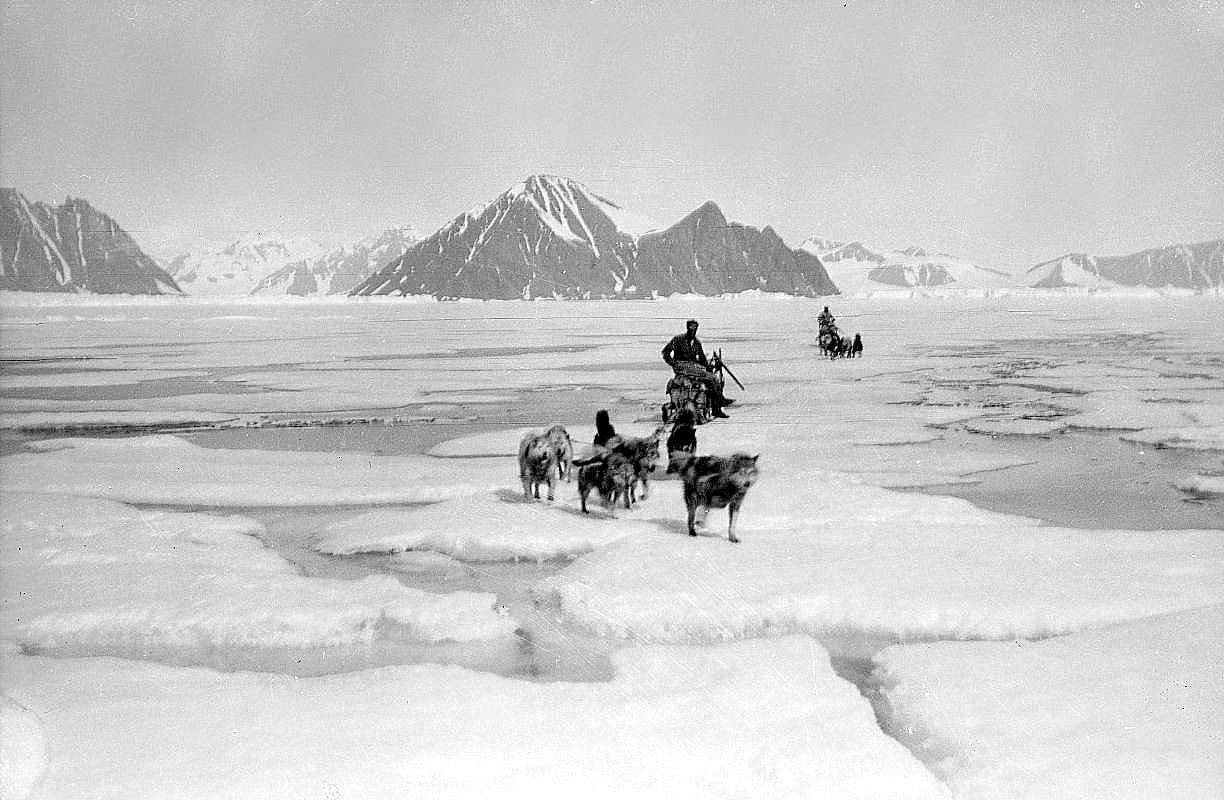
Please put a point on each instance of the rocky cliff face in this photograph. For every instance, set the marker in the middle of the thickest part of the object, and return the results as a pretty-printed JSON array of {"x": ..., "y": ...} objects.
[
  {"x": 705, "y": 254},
  {"x": 1194, "y": 266},
  {"x": 552, "y": 237},
  {"x": 69, "y": 248}
]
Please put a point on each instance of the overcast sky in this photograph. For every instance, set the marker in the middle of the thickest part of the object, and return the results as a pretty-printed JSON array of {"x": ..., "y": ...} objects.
[{"x": 1008, "y": 132}]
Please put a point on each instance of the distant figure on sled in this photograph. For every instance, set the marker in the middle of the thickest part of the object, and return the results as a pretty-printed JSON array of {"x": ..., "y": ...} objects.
[
  {"x": 832, "y": 343},
  {"x": 698, "y": 382}
]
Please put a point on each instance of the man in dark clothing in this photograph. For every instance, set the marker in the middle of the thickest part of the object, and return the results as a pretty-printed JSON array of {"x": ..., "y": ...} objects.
[
  {"x": 603, "y": 428},
  {"x": 684, "y": 354}
]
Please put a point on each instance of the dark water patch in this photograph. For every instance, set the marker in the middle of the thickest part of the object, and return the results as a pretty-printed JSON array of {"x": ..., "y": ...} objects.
[
  {"x": 377, "y": 438},
  {"x": 1090, "y": 481},
  {"x": 141, "y": 390},
  {"x": 543, "y": 647},
  {"x": 503, "y": 656},
  {"x": 414, "y": 429}
]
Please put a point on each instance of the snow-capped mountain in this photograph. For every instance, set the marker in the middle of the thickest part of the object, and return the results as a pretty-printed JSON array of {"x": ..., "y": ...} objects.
[
  {"x": 1194, "y": 266},
  {"x": 69, "y": 248},
  {"x": 857, "y": 268},
  {"x": 340, "y": 270},
  {"x": 552, "y": 237},
  {"x": 238, "y": 267}
]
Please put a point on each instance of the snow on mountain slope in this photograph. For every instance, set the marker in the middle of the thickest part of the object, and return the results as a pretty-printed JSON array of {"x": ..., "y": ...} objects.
[
  {"x": 71, "y": 247},
  {"x": 340, "y": 270},
  {"x": 552, "y": 237},
  {"x": 239, "y": 266},
  {"x": 1195, "y": 266},
  {"x": 546, "y": 236},
  {"x": 860, "y": 269}
]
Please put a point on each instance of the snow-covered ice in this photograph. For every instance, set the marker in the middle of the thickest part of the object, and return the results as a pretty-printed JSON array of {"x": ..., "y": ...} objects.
[
  {"x": 87, "y": 573},
  {"x": 1132, "y": 710},
  {"x": 168, "y": 470},
  {"x": 721, "y": 681},
  {"x": 761, "y": 719}
]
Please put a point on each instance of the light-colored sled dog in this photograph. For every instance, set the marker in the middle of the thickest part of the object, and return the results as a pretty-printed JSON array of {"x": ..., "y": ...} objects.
[
  {"x": 536, "y": 465},
  {"x": 563, "y": 451}
]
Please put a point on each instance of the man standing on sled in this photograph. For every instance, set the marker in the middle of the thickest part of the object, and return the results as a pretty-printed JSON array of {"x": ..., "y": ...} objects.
[{"x": 684, "y": 354}]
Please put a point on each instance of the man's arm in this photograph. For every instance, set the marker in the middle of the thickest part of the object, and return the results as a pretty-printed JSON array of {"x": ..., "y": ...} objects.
[
  {"x": 668, "y": 350},
  {"x": 700, "y": 353}
]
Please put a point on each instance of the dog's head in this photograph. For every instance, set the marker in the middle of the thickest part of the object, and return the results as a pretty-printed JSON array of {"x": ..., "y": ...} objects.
[
  {"x": 535, "y": 452},
  {"x": 741, "y": 469},
  {"x": 558, "y": 435},
  {"x": 647, "y": 455}
]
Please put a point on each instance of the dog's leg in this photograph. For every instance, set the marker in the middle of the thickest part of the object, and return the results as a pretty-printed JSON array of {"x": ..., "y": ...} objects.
[
  {"x": 582, "y": 496},
  {"x": 527, "y": 488},
  {"x": 732, "y": 512},
  {"x": 551, "y": 484},
  {"x": 691, "y": 502}
]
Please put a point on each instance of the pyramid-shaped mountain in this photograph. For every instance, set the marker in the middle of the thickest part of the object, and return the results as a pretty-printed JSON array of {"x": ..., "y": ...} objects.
[
  {"x": 552, "y": 237},
  {"x": 705, "y": 254},
  {"x": 71, "y": 247}
]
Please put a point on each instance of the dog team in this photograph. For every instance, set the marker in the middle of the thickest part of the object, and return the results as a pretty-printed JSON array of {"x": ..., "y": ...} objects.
[
  {"x": 616, "y": 466},
  {"x": 619, "y": 468}
]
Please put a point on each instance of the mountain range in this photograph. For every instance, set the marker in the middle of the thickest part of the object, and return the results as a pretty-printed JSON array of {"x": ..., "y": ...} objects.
[
  {"x": 1193, "y": 266},
  {"x": 340, "y": 270},
  {"x": 552, "y": 237},
  {"x": 857, "y": 268},
  {"x": 238, "y": 267},
  {"x": 547, "y": 237},
  {"x": 72, "y": 247}
]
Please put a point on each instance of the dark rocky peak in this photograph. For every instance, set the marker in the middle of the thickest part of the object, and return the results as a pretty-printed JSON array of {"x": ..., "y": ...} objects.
[{"x": 71, "y": 247}]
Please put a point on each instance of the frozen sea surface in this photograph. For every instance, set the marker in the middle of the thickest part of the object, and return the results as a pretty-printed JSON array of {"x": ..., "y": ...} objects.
[{"x": 346, "y": 516}]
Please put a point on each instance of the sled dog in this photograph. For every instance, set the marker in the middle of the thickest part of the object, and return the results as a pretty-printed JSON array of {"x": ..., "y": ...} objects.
[
  {"x": 717, "y": 482},
  {"x": 682, "y": 443},
  {"x": 643, "y": 454},
  {"x": 610, "y": 474},
  {"x": 536, "y": 465},
  {"x": 562, "y": 451}
]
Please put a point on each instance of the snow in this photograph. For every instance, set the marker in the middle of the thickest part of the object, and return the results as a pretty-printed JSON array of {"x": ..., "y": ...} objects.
[
  {"x": 221, "y": 271},
  {"x": 753, "y": 719},
  {"x": 821, "y": 550},
  {"x": 851, "y": 267},
  {"x": 484, "y": 528},
  {"x": 23, "y": 749},
  {"x": 1203, "y": 484},
  {"x": 1077, "y": 653},
  {"x": 1134, "y": 710},
  {"x": 168, "y": 470},
  {"x": 85, "y": 573}
]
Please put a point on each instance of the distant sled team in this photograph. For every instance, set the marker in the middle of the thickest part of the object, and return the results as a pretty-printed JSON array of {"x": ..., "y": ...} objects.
[{"x": 832, "y": 343}]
